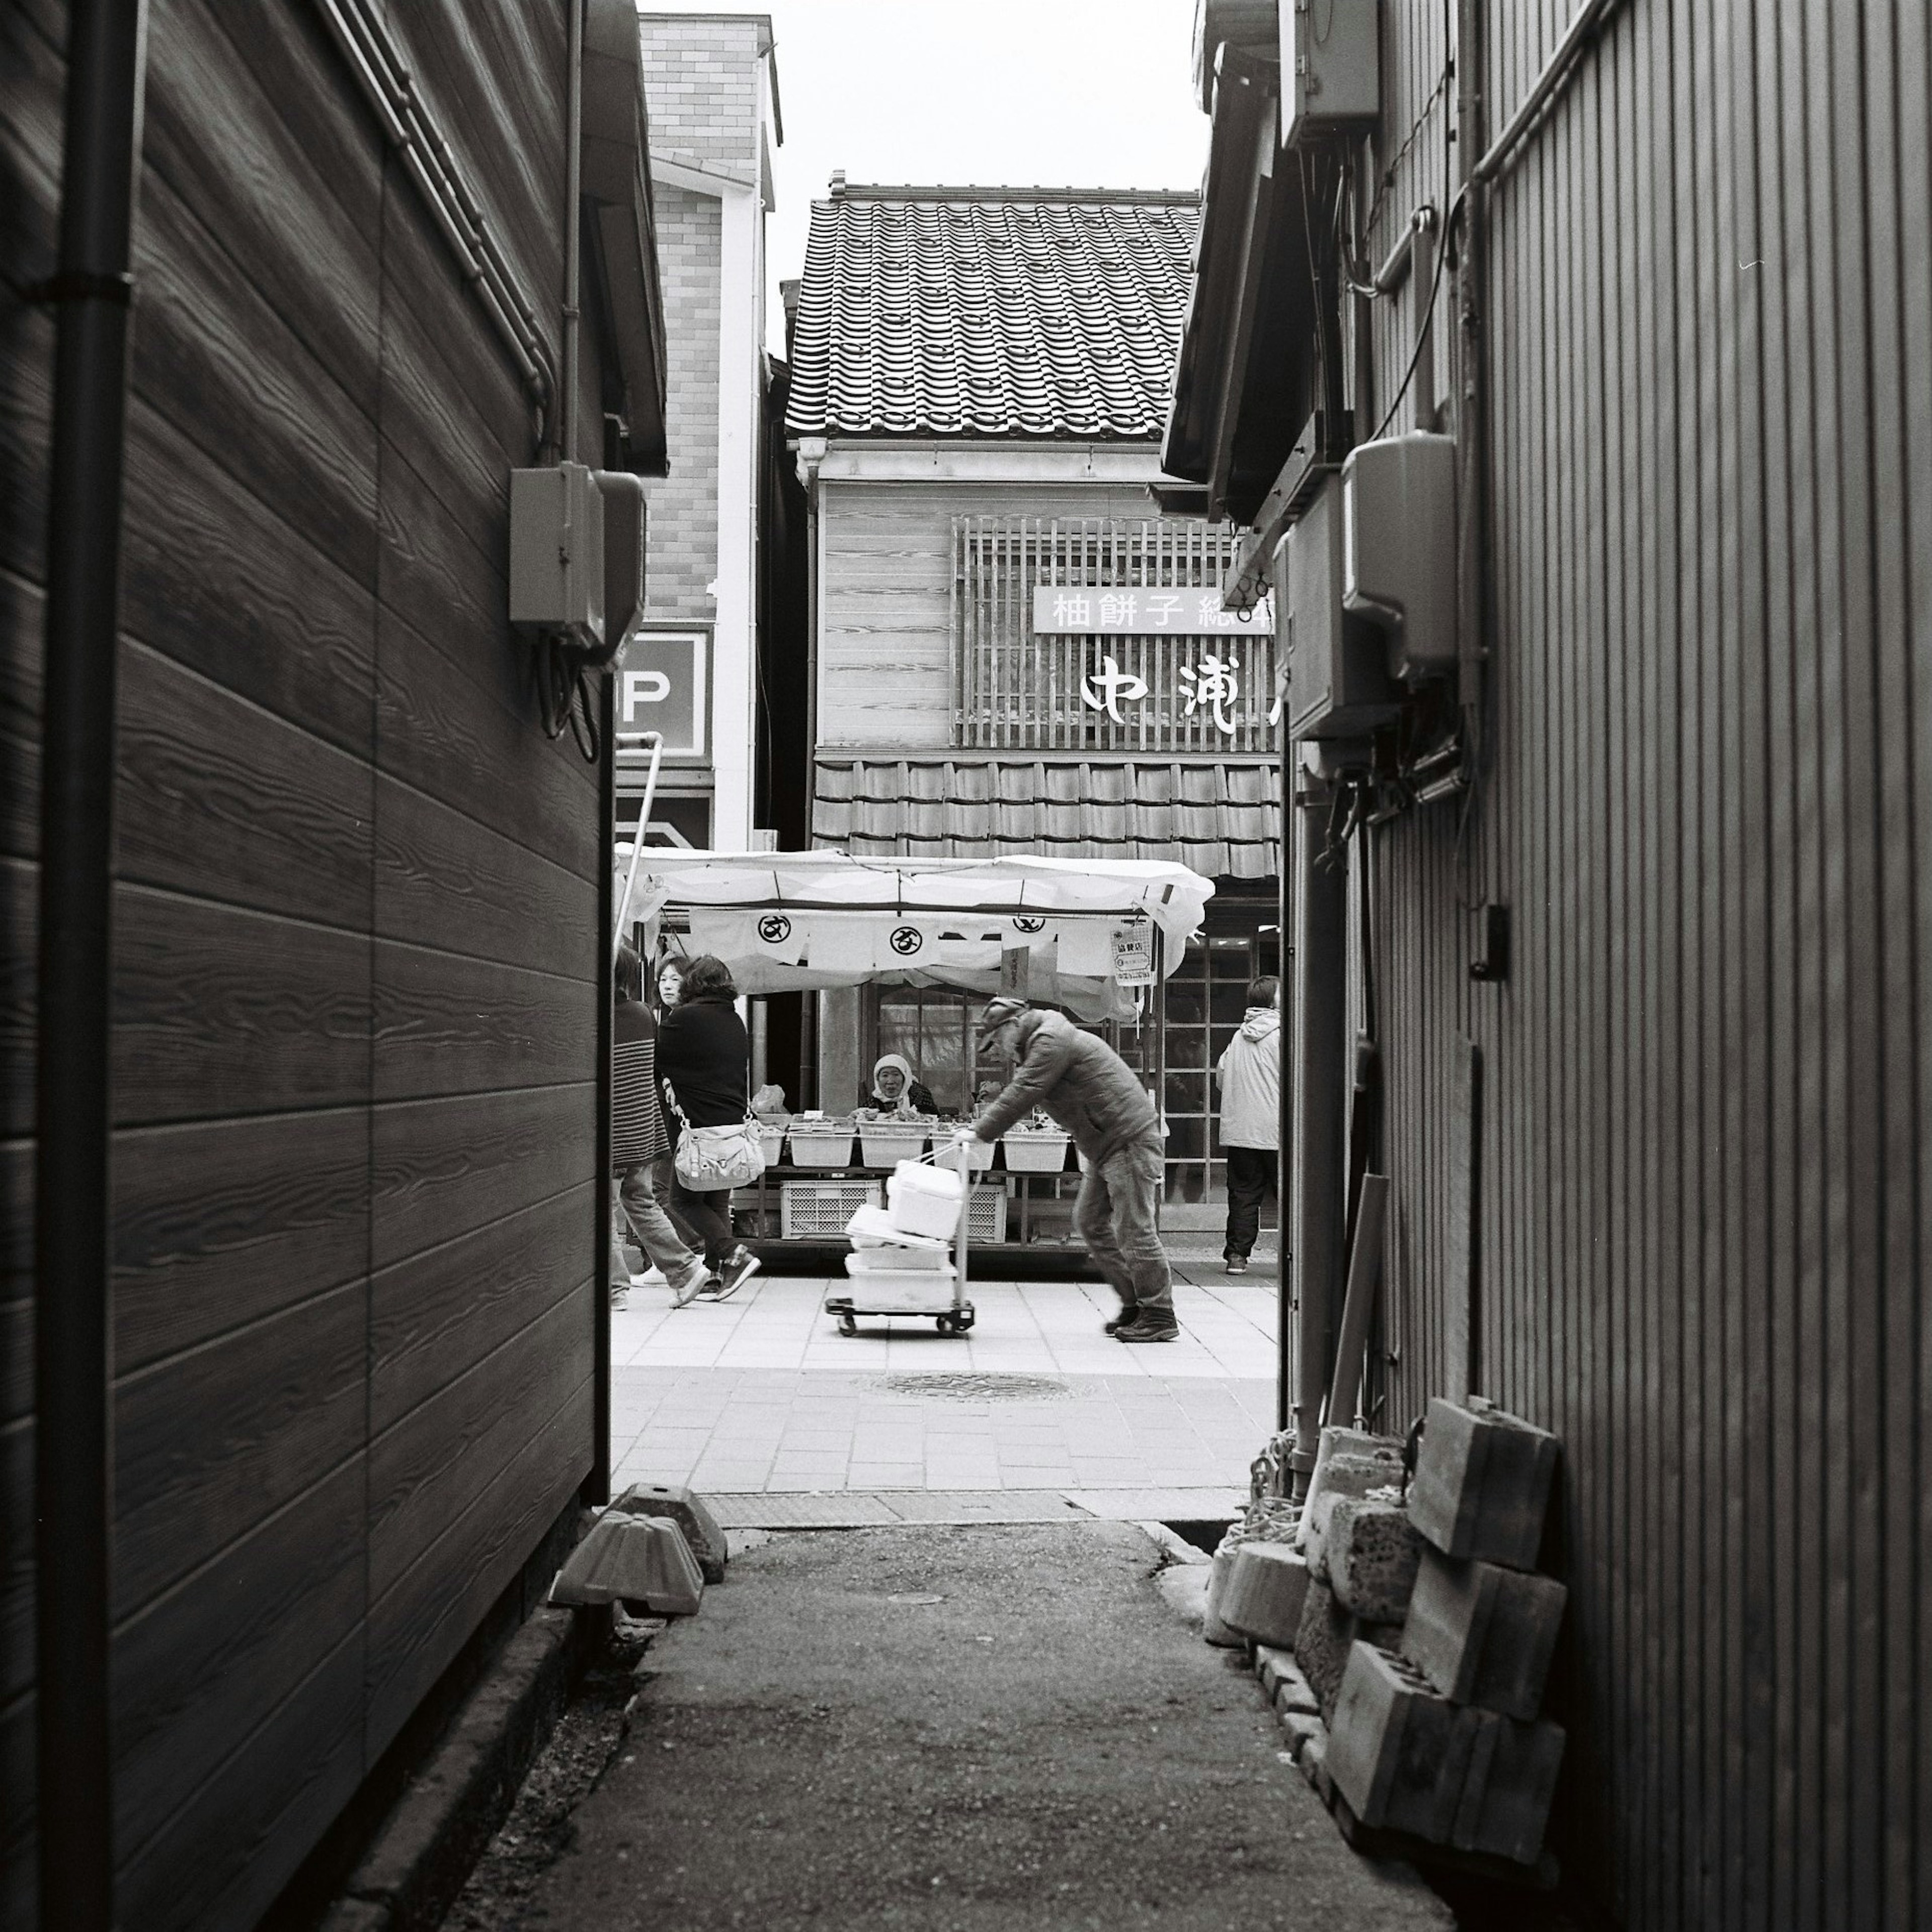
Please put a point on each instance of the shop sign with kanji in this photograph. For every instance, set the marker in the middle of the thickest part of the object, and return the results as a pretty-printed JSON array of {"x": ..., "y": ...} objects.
[
  {"x": 1133, "y": 611},
  {"x": 1133, "y": 954}
]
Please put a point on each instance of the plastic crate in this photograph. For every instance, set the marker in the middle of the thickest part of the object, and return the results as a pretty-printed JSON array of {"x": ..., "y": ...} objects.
[
  {"x": 807, "y": 1209},
  {"x": 771, "y": 1139},
  {"x": 986, "y": 1214},
  {"x": 885, "y": 1143},
  {"x": 820, "y": 1143},
  {"x": 1036, "y": 1153}
]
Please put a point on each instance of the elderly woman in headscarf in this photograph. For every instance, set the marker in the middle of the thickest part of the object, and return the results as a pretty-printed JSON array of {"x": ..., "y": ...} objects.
[{"x": 896, "y": 1091}]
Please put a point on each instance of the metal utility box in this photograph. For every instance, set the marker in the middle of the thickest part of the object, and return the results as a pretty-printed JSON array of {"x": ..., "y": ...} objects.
[
  {"x": 1399, "y": 547},
  {"x": 1338, "y": 685},
  {"x": 556, "y": 551},
  {"x": 1331, "y": 67}
]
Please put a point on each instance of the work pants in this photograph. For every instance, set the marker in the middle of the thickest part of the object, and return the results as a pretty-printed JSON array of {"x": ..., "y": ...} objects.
[
  {"x": 1116, "y": 1216},
  {"x": 1251, "y": 1178},
  {"x": 643, "y": 1191}
]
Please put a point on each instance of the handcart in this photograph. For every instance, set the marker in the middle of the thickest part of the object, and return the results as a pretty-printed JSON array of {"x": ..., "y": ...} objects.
[{"x": 925, "y": 1282}]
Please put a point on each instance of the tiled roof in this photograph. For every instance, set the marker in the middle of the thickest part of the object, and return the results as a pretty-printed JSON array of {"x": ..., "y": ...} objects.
[
  {"x": 991, "y": 312},
  {"x": 1222, "y": 819}
]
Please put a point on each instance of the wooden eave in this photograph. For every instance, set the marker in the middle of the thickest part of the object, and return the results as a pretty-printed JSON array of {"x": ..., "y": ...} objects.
[
  {"x": 1242, "y": 387},
  {"x": 620, "y": 219}
]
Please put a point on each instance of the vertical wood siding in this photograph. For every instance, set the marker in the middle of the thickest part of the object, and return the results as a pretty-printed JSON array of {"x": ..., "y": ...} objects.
[
  {"x": 885, "y": 592},
  {"x": 355, "y": 954},
  {"x": 1703, "y": 1229}
]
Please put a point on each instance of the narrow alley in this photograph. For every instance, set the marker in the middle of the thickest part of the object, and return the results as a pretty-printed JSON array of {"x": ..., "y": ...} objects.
[{"x": 938, "y": 1728}]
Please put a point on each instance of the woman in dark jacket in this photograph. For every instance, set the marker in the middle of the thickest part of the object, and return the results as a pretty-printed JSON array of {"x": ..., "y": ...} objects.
[{"x": 703, "y": 1058}]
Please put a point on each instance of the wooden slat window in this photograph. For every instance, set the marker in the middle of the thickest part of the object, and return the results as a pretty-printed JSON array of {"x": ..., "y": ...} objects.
[{"x": 1016, "y": 689}]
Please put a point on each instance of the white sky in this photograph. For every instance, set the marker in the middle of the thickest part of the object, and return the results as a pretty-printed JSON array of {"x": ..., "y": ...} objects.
[{"x": 1044, "y": 93}]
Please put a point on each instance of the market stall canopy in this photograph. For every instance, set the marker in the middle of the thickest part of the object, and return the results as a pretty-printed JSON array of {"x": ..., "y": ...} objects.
[{"x": 787, "y": 921}]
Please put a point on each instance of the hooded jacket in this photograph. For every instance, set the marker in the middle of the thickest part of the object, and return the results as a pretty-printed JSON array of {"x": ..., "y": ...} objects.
[
  {"x": 1249, "y": 1072},
  {"x": 1080, "y": 1081}
]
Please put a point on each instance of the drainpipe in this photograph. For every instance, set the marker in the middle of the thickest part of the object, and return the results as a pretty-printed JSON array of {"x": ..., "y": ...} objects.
[
  {"x": 1321, "y": 1120},
  {"x": 1472, "y": 484},
  {"x": 74, "y": 1464},
  {"x": 573, "y": 231}
]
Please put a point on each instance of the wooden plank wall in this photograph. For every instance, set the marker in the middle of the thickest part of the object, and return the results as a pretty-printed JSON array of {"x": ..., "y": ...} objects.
[
  {"x": 885, "y": 630},
  {"x": 1703, "y": 1230},
  {"x": 356, "y": 956}
]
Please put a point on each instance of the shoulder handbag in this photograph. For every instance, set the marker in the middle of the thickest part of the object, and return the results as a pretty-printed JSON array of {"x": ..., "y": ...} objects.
[{"x": 710, "y": 1159}]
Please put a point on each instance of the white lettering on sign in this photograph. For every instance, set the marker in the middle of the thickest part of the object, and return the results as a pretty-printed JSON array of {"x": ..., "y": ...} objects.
[
  {"x": 1104, "y": 692},
  {"x": 1141, "y": 611},
  {"x": 643, "y": 687},
  {"x": 1211, "y": 685}
]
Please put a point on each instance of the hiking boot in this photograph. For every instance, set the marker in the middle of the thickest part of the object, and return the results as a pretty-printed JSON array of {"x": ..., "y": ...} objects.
[
  {"x": 1128, "y": 1311},
  {"x": 736, "y": 1272},
  {"x": 1237, "y": 1264},
  {"x": 1148, "y": 1326}
]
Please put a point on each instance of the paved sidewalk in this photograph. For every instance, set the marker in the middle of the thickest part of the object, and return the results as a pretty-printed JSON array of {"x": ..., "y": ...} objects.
[{"x": 762, "y": 1394}]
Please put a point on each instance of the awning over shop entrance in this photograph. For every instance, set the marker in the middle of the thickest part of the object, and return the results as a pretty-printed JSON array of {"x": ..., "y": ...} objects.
[{"x": 791, "y": 921}]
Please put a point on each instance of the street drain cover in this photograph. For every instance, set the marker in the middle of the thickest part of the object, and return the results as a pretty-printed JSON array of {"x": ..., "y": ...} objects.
[{"x": 966, "y": 1387}]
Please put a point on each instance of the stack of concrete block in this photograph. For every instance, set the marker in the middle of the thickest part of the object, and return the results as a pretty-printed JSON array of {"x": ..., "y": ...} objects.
[
  {"x": 1262, "y": 1597},
  {"x": 1433, "y": 1728}
]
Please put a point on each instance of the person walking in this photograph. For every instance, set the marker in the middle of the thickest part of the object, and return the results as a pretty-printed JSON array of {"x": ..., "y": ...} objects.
[
  {"x": 640, "y": 1146},
  {"x": 704, "y": 1057},
  {"x": 1249, "y": 1075},
  {"x": 1093, "y": 1092}
]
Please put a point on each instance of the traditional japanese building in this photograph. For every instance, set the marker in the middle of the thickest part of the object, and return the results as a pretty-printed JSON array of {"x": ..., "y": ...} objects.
[{"x": 1018, "y": 643}]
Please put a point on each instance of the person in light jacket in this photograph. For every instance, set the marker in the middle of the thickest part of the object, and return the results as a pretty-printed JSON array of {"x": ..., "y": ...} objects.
[
  {"x": 1249, "y": 1075},
  {"x": 1094, "y": 1094}
]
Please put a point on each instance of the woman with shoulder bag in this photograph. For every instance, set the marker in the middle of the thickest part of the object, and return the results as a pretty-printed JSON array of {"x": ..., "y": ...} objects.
[{"x": 704, "y": 1057}]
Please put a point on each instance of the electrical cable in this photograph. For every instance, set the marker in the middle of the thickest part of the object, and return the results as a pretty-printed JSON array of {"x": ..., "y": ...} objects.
[{"x": 1428, "y": 317}]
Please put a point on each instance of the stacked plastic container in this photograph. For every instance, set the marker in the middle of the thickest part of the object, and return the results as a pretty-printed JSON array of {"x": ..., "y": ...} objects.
[{"x": 903, "y": 1260}]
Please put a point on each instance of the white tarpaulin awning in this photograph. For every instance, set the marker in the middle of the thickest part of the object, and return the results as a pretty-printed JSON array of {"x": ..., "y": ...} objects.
[{"x": 787, "y": 921}]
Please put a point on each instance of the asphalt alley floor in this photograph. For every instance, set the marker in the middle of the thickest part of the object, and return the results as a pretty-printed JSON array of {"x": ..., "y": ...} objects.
[
  {"x": 760, "y": 1395},
  {"x": 952, "y": 1730}
]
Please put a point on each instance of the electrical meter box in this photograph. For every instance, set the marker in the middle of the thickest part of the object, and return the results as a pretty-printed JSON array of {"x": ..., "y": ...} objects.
[
  {"x": 556, "y": 551},
  {"x": 1331, "y": 67},
  {"x": 1338, "y": 681},
  {"x": 1399, "y": 547}
]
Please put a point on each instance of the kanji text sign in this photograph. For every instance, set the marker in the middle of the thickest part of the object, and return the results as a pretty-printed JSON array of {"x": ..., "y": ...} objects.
[{"x": 1134, "y": 611}]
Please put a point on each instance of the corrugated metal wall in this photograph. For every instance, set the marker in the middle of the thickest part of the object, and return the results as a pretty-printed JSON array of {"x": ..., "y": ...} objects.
[{"x": 1703, "y": 1177}]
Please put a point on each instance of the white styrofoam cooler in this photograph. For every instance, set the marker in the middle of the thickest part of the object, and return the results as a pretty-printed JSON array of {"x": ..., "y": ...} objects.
[{"x": 925, "y": 1200}]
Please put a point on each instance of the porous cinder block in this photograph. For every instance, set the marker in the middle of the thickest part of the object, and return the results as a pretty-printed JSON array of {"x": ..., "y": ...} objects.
[
  {"x": 1348, "y": 1461},
  {"x": 1266, "y": 1584},
  {"x": 1483, "y": 1634},
  {"x": 1482, "y": 1484},
  {"x": 1371, "y": 1550},
  {"x": 1508, "y": 1787},
  {"x": 1322, "y": 1641},
  {"x": 635, "y": 1560},
  {"x": 689, "y": 1512},
  {"x": 1398, "y": 1752}
]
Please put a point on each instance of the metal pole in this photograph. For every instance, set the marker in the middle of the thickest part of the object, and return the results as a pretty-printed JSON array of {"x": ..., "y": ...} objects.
[
  {"x": 573, "y": 229},
  {"x": 1365, "y": 1268},
  {"x": 1320, "y": 1115},
  {"x": 73, "y": 1462},
  {"x": 598, "y": 1487}
]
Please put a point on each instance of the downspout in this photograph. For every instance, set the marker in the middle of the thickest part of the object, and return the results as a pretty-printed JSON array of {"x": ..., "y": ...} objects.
[
  {"x": 573, "y": 232},
  {"x": 811, "y": 454},
  {"x": 1471, "y": 432},
  {"x": 1321, "y": 1124},
  {"x": 73, "y": 1417},
  {"x": 597, "y": 1487}
]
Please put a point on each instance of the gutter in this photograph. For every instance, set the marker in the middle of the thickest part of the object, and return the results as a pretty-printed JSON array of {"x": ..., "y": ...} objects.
[{"x": 73, "y": 1420}]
